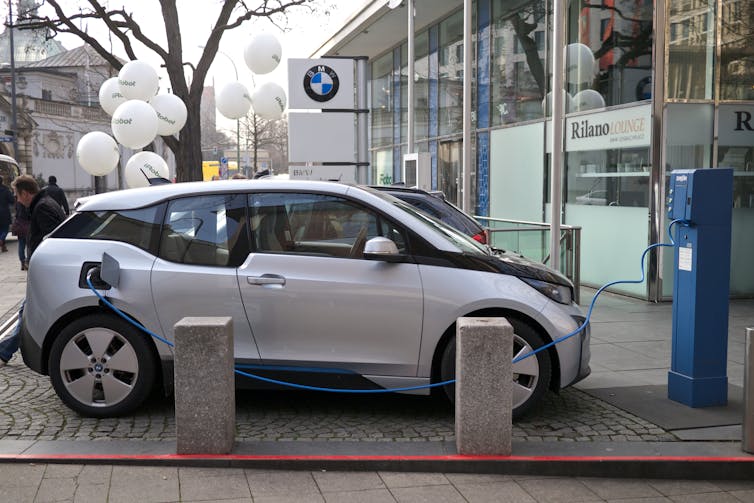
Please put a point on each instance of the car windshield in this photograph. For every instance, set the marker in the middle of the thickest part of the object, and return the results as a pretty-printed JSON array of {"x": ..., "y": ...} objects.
[{"x": 464, "y": 242}]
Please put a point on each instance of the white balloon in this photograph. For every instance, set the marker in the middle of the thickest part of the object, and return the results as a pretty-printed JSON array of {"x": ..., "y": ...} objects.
[
  {"x": 134, "y": 124},
  {"x": 263, "y": 53},
  {"x": 171, "y": 113},
  {"x": 269, "y": 101},
  {"x": 588, "y": 99},
  {"x": 547, "y": 103},
  {"x": 138, "y": 80},
  {"x": 144, "y": 165},
  {"x": 234, "y": 100},
  {"x": 579, "y": 63},
  {"x": 97, "y": 153},
  {"x": 109, "y": 95}
]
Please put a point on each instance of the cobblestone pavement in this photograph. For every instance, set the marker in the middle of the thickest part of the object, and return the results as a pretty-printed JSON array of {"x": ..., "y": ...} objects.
[{"x": 30, "y": 410}]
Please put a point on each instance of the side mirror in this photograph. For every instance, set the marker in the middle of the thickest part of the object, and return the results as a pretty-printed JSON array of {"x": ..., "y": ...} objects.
[{"x": 383, "y": 249}]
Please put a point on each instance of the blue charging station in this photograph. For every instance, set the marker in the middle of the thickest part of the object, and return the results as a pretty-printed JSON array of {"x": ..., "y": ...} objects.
[{"x": 703, "y": 200}]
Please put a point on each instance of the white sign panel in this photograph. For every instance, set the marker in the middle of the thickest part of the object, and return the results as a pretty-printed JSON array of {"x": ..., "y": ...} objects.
[
  {"x": 736, "y": 125},
  {"x": 624, "y": 128},
  {"x": 685, "y": 259},
  {"x": 320, "y": 83},
  {"x": 346, "y": 174},
  {"x": 321, "y": 137}
]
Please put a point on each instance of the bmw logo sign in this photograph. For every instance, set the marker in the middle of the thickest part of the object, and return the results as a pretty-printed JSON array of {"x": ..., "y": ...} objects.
[{"x": 321, "y": 83}]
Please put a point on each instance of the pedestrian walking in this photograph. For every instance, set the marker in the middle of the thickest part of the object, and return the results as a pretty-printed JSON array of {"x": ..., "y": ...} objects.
[
  {"x": 20, "y": 227},
  {"x": 45, "y": 215},
  {"x": 57, "y": 193},
  {"x": 6, "y": 201}
]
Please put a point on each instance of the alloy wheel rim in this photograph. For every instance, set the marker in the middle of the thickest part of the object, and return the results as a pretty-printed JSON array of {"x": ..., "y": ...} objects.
[{"x": 99, "y": 367}]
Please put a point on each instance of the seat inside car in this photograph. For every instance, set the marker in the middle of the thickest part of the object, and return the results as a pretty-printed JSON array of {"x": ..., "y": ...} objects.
[{"x": 271, "y": 229}]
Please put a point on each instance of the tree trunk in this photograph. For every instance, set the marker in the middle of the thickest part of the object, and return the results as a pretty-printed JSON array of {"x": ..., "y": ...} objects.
[{"x": 188, "y": 157}]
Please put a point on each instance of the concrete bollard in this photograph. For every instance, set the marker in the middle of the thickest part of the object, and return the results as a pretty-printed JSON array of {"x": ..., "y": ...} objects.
[
  {"x": 205, "y": 399},
  {"x": 748, "y": 421},
  {"x": 484, "y": 386}
]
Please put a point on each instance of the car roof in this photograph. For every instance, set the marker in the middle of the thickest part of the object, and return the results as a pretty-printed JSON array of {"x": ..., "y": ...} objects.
[{"x": 146, "y": 196}]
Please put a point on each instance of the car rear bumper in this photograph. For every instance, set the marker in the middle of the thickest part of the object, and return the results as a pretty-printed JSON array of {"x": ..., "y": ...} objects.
[{"x": 31, "y": 351}]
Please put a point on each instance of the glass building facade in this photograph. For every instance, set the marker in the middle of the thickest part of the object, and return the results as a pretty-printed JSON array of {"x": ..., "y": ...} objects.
[{"x": 651, "y": 86}]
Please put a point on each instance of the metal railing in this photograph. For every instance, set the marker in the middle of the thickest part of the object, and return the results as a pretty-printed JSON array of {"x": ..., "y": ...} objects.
[{"x": 532, "y": 240}]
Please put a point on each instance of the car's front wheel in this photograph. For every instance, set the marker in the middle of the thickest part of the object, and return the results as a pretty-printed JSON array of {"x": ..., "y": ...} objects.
[
  {"x": 101, "y": 366},
  {"x": 531, "y": 376}
]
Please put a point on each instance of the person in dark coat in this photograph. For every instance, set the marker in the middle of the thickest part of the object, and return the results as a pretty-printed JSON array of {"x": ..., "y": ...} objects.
[
  {"x": 46, "y": 214},
  {"x": 57, "y": 193},
  {"x": 20, "y": 228},
  {"x": 6, "y": 200}
]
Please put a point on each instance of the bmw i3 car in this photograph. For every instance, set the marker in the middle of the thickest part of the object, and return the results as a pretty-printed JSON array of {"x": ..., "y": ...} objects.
[{"x": 327, "y": 284}]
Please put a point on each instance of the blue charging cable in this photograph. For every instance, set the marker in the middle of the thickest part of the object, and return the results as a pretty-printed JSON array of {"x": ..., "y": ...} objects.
[{"x": 408, "y": 388}]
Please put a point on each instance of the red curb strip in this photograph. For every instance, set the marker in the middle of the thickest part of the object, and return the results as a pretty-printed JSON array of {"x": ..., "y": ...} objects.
[{"x": 451, "y": 457}]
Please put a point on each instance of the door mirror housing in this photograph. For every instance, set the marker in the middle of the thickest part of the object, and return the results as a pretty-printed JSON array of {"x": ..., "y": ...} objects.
[{"x": 384, "y": 249}]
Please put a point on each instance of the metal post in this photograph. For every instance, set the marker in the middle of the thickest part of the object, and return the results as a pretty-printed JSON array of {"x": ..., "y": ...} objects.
[
  {"x": 556, "y": 168},
  {"x": 362, "y": 121},
  {"x": 467, "y": 83},
  {"x": 410, "y": 76},
  {"x": 748, "y": 422},
  {"x": 14, "y": 116},
  {"x": 238, "y": 125}
]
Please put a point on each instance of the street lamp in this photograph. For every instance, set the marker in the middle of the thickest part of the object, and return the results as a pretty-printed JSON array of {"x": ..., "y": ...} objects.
[{"x": 238, "y": 123}]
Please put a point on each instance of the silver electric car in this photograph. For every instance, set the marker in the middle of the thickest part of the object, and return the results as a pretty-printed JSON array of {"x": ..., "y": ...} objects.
[{"x": 327, "y": 284}]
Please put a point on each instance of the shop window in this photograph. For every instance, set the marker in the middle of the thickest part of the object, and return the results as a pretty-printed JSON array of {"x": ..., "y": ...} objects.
[
  {"x": 451, "y": 75},
  {"x": 517, "y": 79},
  {"x": 737, "y": 51},
  {"x": 382, "y": 104},
  {"x": 690, "y": 69},
  {"x": 616, "y": 60}
]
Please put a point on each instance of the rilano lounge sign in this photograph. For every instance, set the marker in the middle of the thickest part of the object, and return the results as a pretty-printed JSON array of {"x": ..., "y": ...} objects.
[{"x": 624, "y": 128}]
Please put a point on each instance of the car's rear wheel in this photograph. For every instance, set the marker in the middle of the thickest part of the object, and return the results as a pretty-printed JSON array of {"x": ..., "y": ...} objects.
[
  {"x": 102, "y": 366},
  {"x": 531, "y": 376}
]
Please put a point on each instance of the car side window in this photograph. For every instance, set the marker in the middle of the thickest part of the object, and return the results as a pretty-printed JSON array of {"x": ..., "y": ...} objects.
[
  {"x": 314, "y": 224},
  {"x": 139, "y": 227},
  {"x": 206, "y": 230}
]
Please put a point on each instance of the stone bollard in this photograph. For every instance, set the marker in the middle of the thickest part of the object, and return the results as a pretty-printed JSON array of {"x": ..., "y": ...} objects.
[
  {"x": 205, "y": 399},
  {"x": 484, "y": 386}
]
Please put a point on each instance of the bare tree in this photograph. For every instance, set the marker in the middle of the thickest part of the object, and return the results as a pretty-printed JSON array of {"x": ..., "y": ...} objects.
[
  {"x": 126, "y": 29},
  {"x": 258, "y": 133}
]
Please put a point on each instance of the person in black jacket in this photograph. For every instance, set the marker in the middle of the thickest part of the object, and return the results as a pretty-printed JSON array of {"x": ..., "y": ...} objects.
[
  {"x": 46, "y": 214},
  {"x": 57, "y": 193},
  {"x": 6, "y": 200}
]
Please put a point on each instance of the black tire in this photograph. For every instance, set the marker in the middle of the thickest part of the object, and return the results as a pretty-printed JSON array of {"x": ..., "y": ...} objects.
[
  {"x": 102, "y": 366},
  {"x": 528, "y": 387}
]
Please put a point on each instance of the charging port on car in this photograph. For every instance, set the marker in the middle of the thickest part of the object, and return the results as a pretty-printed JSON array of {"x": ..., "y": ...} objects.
[{"x": 97, "y": 282}]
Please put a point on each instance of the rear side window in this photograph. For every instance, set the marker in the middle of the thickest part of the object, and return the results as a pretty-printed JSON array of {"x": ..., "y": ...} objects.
[
  {"x": 140, "y": 227},
  {"x": 206, "y": 230}
]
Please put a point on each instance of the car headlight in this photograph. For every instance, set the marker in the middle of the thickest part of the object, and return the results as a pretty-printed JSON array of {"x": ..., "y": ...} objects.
[{"x": 558, "y": 293}]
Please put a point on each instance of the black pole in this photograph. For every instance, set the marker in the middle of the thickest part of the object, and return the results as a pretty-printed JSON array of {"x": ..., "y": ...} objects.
[{"x": 14, "y": 118}]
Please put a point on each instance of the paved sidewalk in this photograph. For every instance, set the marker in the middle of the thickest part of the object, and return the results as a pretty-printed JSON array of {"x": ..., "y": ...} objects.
[{"x": 107, "y": 483}]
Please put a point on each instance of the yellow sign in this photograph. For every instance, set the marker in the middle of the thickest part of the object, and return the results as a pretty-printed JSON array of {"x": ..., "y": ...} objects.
[{"x": 211, "y": 170}]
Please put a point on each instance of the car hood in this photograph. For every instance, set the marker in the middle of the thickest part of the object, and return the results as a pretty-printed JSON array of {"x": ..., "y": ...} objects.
[{"x": 518, "y": 265}]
